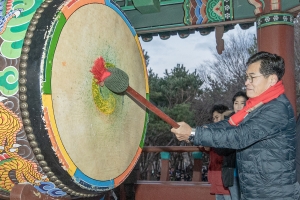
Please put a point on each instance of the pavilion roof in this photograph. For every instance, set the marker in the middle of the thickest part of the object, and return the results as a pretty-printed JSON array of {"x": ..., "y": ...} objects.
[{"x": 165, "y": 18}]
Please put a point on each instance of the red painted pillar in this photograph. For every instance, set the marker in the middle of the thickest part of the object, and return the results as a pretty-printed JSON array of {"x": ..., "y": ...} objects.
[{"x": 275, "y": 34}]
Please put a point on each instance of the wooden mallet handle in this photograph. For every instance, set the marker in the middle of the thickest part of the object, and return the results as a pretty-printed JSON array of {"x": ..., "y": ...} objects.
[{"x": 151, "y": 107}]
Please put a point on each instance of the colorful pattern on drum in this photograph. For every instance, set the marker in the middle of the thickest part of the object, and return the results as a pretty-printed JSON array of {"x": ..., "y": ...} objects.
[
  {"x": 26, "y": 170},
  {"x": 17, "y": 161},
  {"x": 64, "y": 169},
  {"x": 50, "y": 189},
  {"x": 15, "y": 19},
  {"x": 9, "y": 81}
]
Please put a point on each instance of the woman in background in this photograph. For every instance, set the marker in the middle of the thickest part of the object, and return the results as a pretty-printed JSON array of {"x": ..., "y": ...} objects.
[
  {"x": 215, "y": 161},
  {"x": 229, "y": 170}
]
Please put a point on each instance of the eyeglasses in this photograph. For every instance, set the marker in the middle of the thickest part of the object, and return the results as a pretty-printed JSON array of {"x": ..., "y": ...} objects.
[{"x": 250, "y": 78}]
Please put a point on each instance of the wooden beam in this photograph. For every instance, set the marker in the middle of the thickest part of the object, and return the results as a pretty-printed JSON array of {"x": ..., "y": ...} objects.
[
  {"x": 294, "y": 10},
  {"x": 177, "y": 28}
]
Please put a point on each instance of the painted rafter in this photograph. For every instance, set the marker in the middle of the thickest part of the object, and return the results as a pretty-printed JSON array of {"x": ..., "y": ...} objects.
[{"x": 259, "y": 6}]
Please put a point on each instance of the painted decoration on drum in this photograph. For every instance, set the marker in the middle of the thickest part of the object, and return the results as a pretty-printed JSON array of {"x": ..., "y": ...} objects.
[
  {"x": 17, "y": 161},
  {"x": 14, "y": 21},
  {"x": 7, "y": 14},
  {"x": 50, "y": 189},
  {"x": 10, "y": 160},
  {"x": 104, "y": 99},
  {"x": 9, "y": 81}
]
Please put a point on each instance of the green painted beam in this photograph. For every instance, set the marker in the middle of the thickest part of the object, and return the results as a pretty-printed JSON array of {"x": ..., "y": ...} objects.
[
  {"x": 243, "y": 10},
  {"x": 288, "y": 4},
  {"x": 129, "y": 5},
  {"x": 171, "y": 16},
  {"x": 147, "y": 6},
  {"x": 168, "y": 15}
]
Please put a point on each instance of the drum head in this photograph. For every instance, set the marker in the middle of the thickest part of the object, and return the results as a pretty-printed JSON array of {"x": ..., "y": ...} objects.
[{"x": 89, "y": 137}]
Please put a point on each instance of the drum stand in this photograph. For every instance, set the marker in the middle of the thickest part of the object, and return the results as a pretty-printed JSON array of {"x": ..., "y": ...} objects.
[{"x": 28, "y": 192}]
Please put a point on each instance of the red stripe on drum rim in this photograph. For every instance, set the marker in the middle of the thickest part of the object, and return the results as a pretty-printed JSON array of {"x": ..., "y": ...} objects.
[
  {"x": 126, "y": 173},
  {"x": 70, "y": 8}
]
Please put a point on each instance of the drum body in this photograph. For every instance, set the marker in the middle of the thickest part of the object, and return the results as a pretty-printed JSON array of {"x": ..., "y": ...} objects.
[{"x": 85, "y": 138}]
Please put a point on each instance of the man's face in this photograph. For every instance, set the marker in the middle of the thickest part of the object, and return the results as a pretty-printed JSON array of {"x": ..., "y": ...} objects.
[
  {"x": 217, "y": 117},
  {"x": 259, "y": 83}
]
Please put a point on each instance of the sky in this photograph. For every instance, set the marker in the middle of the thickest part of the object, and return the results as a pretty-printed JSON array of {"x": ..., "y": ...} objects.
[{"x": 191, "y": 51}]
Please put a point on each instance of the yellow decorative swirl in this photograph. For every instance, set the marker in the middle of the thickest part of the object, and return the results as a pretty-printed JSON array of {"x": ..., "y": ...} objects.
[{"x": 103, "y": 97}]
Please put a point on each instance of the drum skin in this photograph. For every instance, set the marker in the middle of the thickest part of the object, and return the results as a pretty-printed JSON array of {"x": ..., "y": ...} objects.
[{"x": 85, "y": 138}]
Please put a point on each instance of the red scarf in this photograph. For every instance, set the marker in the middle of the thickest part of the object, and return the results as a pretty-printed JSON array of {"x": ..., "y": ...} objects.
[{"x": 251, "y": 104}]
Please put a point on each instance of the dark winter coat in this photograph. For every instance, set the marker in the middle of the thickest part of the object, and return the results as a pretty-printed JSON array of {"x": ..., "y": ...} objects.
[
  {"x": 229, "y": 162},
  {"x": 214, "y": 174},
  {"x": 228, "y": 165},
  {"x": 266, "y": 150}
]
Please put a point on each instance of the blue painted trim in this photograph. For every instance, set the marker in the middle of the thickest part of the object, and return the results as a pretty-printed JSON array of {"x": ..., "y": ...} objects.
[
  {"x": 91, "y": 184},
  {"x": 116, "y": 8}
]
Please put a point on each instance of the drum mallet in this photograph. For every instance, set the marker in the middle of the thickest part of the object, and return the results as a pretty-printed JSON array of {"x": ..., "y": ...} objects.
[{"x": 117, "y": 81}]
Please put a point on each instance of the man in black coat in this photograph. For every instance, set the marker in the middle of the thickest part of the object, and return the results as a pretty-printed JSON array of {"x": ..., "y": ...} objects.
[{"x": 263, "y": 132}]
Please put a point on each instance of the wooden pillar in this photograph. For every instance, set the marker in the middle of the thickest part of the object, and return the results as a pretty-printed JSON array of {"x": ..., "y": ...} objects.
[
  {"x": 197, "y": 169},
  {"x": 165, "y": 156},
  {"x": 275, "y": 34}
]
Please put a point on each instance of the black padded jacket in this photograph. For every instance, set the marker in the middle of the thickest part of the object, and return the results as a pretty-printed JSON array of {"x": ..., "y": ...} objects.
[{"x": 266, "y": 150}]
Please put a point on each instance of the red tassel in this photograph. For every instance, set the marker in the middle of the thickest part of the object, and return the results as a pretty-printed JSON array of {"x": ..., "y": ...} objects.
[{"x": 99, "y": 70}]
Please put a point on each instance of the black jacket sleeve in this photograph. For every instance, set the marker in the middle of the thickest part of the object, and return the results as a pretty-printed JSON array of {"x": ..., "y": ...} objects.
[
  {"x": 224, "y": 151},
  {"x": 262, "y": 124}
]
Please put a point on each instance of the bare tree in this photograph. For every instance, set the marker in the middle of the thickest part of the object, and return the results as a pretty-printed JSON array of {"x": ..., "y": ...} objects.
[
  {"x": 225, "y": 75},
  {"x": 231, "y": 64}
]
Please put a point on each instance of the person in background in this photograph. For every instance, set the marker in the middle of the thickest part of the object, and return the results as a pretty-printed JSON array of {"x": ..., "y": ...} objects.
[
  {"x": 229, "y": 170},
  {"x": 263, "y": 132},
  {"x": 172, "y": 174},
  {"x": 215, "y": 161}
]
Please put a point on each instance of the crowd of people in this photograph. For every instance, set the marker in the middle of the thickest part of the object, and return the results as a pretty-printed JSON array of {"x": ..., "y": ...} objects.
[
  {"x": 222, "y": 171},
  {"x": 252, "y": 148}
]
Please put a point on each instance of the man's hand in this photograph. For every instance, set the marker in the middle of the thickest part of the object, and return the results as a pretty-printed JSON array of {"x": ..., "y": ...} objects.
[
  {"x": 183, "y": 132},
  {"x": 207, "y": 148}
]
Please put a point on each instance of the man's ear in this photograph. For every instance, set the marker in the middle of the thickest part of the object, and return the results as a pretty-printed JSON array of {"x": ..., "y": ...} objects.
[{"x": 273, "y": 79}]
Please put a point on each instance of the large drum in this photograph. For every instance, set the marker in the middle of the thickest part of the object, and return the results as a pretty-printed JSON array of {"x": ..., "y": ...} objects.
[{"x": 85, "y": 138}]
